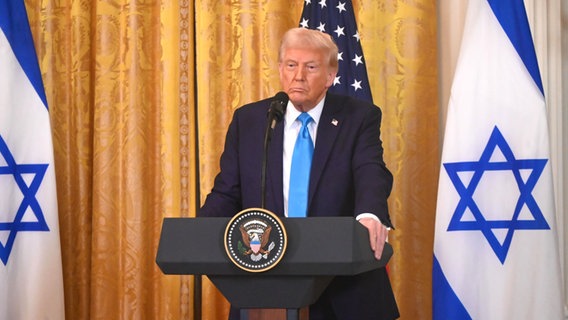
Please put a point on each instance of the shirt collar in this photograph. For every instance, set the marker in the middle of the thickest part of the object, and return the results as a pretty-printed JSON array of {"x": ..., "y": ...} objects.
[{"x": 292, "y": 113}]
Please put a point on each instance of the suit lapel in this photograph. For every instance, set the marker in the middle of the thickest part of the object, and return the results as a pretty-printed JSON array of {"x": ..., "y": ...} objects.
[{"x": 328, "y": 129}]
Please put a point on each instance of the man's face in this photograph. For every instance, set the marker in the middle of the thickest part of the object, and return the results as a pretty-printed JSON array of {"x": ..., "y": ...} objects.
[{"x": 305, "y": 76}]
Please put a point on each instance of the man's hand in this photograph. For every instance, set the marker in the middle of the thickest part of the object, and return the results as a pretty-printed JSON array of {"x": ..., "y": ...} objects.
[{"x": 377, "y": 235}]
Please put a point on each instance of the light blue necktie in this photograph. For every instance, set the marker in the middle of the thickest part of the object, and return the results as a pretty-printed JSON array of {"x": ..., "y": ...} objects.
[{"x": 300, "y": 170}]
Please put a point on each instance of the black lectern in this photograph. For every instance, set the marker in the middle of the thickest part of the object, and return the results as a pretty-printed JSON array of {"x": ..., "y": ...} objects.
[{"x": 318, "y": 249}]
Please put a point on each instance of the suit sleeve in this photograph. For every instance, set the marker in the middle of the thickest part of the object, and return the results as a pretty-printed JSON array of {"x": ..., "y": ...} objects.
[
  {"x": 372, "y": 180},
  {"x": 224, "y": 200}
]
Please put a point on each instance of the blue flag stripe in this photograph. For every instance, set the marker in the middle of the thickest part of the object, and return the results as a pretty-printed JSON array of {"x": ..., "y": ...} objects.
[
  {"x": 445, "y": 303},
  {"x": 15, "y": 25},
  {"x": 512, "y": 16}
]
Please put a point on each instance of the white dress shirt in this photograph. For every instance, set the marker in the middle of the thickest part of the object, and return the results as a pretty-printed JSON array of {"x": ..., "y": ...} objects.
[{"x": 291, "y": 129}]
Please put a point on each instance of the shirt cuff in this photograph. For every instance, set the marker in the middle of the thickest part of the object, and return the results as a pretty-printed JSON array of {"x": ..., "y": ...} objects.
[{"x": 372, "y": 216}]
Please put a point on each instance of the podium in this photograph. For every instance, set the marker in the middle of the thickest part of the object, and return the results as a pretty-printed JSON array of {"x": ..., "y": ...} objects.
[{"x": 318, "y": 249}]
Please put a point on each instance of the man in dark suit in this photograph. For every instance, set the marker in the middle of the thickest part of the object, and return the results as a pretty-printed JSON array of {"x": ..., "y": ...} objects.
[{"x": 348, "y": 176}]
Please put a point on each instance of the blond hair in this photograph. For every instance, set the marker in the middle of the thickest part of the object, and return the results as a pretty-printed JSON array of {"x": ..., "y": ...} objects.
[{"x": 308, "y": 38}]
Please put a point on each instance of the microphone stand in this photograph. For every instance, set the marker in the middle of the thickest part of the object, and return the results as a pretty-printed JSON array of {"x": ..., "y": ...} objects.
[
  {"x": 275, "y": 114},
  {"x": 267, "y": 138}
]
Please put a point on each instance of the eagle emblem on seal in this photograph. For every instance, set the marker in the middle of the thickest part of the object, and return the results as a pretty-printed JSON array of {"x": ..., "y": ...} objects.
[
  {"x": 255, "y": 240},
  {"x": 255, "y": 236}
]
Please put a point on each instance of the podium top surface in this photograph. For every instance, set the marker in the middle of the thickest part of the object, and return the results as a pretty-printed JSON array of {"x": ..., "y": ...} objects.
[{"x": 316, "y": 246}]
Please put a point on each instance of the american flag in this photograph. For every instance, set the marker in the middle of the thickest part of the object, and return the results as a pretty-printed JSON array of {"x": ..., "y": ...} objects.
[{"x": 337, "y": 19}]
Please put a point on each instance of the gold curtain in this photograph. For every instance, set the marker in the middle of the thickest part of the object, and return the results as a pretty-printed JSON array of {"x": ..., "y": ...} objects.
[{"x": 135, "y": 86}]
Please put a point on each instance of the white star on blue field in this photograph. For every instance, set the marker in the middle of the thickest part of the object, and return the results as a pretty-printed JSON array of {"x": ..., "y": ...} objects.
[
  {"x": 478, "y": 168},
  {"x": 29, "y": 201}
]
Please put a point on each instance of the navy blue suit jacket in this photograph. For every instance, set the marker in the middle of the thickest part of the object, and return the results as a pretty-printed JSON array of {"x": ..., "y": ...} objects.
[{"x": 348, "y": 177}]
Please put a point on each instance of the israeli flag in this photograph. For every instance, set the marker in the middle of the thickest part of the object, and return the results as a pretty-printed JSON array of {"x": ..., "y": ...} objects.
[
  {"x": 495, "y": 246},
  {"x": 31, "y": 279}
]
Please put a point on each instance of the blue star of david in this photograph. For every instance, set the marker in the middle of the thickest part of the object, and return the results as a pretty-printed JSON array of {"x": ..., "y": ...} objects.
[
  {"x": 29, "y": 201},
  {"x": 478, "y": 168}
]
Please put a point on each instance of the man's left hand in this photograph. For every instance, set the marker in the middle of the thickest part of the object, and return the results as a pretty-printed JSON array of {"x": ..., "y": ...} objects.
[{"x": 377, "y": 235}]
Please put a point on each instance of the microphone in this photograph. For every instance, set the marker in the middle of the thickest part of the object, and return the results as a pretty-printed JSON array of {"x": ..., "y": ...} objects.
[
  {"x": 275, "y": 114},
  {"x": 277, "y": 108}
]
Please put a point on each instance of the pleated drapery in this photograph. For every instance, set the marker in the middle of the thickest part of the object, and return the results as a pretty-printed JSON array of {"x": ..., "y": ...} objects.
[{"x": 140, "y": 96}]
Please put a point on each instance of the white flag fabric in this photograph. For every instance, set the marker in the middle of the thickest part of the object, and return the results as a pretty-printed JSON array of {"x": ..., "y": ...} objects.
[
  {"x": 495, "y": 245},
  {"x": 31, "y": 279}
]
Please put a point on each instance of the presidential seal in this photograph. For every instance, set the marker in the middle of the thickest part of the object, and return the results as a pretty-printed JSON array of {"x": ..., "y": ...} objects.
[{"x": 255, "y": 240}]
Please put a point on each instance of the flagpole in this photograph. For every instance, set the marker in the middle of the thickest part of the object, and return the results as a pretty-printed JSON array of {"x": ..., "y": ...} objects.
[{"x": 197, "y": 283}]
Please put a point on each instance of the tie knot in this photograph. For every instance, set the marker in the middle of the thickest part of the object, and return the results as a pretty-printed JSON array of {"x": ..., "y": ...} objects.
[{"x": 305, "y": 118}]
